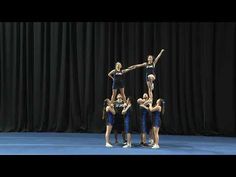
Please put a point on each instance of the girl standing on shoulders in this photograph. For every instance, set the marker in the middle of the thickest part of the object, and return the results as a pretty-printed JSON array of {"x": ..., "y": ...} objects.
[{"x": 117, "y": 75}]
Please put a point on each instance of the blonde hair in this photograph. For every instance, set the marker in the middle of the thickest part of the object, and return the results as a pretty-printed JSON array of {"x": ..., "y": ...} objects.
[{"x": 118, "y": 63}]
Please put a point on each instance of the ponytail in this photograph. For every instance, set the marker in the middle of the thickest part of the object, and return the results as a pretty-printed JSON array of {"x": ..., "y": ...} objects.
[
  {"x": 162, "y": 106},
  {"x": 104, "y": 108}
]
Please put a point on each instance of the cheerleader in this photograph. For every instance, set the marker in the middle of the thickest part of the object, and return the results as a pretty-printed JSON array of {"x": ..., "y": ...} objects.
[
  {"x": 109, "y": 109},
  {"x": 127, "y": 121},
  {"x": 150, "y": 75},
  {"x": 118, "y": 126},
  {"x": 157, "y": 110},
  {"x": 117, "y": 75},
  {"x": 145, "y": 120}
]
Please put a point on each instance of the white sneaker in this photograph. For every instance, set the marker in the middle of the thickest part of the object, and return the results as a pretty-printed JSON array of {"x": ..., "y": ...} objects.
[
  {"x": 155, "y": 146},
  {"x": 151, "y": 141},
  {"x": 127, "y": 146},
  {"x": 108, "y": 145}
]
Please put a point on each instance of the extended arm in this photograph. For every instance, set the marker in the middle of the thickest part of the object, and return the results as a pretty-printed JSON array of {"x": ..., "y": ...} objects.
[
  {"x": 158, "y": 57},
  {"x": 128, "y": 69},
  {"x": 138, "y": 65}
]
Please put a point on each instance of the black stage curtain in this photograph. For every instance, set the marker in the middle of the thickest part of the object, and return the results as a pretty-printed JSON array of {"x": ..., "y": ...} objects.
[{"x": 53, "y": 75}]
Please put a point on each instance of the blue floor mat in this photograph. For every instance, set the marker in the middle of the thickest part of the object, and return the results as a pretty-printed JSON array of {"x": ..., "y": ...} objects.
[{"x": 94, "y": 144}]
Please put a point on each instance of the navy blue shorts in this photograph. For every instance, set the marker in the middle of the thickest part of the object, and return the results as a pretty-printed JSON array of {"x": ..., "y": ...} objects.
[
  {"x": 118, "y": 84},
  {"x": 156, "y": 121},
  {"x": 110, "y": 120}
]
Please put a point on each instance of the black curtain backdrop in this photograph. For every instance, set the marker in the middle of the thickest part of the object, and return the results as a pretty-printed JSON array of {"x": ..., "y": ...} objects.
[{"x": 53, "y": 75}]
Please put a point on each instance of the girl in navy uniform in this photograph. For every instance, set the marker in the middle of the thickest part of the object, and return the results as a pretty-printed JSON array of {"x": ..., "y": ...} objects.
[
  {"x": 109, "y": 109},
  {"x": 118, "y": 80},
  {"x": 150, "y": 71},
  {"x": 145, "y": 120},
  {"x": 119, "y": 120},
  {"x": 157, "y": 110},
  {"x": 127, "y": 112}
]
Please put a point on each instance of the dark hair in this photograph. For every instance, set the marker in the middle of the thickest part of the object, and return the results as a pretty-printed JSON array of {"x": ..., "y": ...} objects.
[
  {"x": 104, "y": 107},
  {"x": 162, "y": 106}
]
